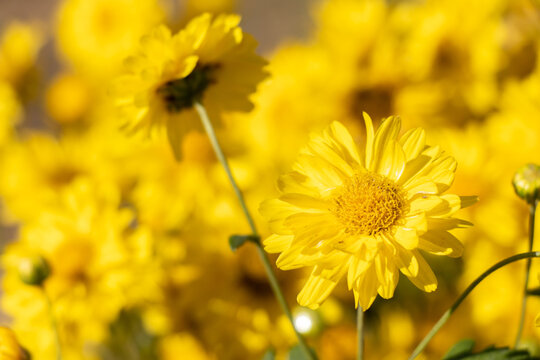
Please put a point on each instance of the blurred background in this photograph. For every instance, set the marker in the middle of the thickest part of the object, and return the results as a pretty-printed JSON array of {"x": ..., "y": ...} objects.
[{"x": 137, "y": 244}]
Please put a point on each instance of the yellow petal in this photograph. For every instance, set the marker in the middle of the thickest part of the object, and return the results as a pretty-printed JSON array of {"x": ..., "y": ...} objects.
[
  {"x": 440, "y": 242},
  {"x": 417, "y": 166},
  {"x": 467, "y": 201},
  {"x": 406, "y": 261},
  {"x": 277, "y": 243},
  {"x": 417, "y": 222},
  {"x": 424, "y": 203},
  {"x": 320, "y": 284},
  {"x": 387, "y": 132},
  {"x": 425, "y": 279},
  {"x": 421, "y": 186},
  {"x": 305, "y": 201},
  {"x": 344, "y": 143},
  {"x": 365, "y": 289},
  {"x": 295, "y": 182},
  {"x": 413, "y": 142},
  {"x": 406, "y": 237},
  {"x": 387, "y": 274},
  {"x": 370, "y": 135},
  {"x": 323, "y": 175},
  {"x": 358, "y": 267},
  {"x": 275, "y": 212},
  {"x": 392, "y": 161}
]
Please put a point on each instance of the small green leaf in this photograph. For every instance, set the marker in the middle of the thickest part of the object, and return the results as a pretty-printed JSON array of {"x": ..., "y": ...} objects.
[
  {"x": 462, "y": 347},
  {"x": 269, "y": 355},
  {"x": 235, "y": 241},
  {"x": 463, "y": 351},
  {"x": 297, "y": 353}
]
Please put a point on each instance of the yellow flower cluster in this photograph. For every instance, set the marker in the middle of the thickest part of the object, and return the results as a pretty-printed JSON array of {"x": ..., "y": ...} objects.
[{"x": 135, "y": 235}]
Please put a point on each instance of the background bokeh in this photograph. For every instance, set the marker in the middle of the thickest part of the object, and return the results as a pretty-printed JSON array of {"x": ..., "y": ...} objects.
[{"x": 141, "y": 267}]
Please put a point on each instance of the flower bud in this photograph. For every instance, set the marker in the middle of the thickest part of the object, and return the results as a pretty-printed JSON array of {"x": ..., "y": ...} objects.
[
  {"x": 34, "y": 270},
  {"x": 526, "y": 182}
]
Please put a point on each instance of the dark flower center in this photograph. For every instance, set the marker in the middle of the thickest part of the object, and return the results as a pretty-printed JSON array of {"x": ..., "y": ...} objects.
[{"x": 182, "y": 93}]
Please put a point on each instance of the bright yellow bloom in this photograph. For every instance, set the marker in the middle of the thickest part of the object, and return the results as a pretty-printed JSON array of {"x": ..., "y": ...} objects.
[
  {"x": 9, "y": 346},
  {"x": 96, "y": 35},
  {"x": 211, "y": 61},
  {"x": 365, "y": 216}
]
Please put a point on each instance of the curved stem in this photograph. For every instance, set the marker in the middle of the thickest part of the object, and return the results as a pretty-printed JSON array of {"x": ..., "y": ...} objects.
[
  {"x": 532, "y": 211},
  {"x": 360, "y": 332},
  {"x": 446, "y": 315},
  {"x": 54, "y": 325},
  {"x": 262, "y": 254}
]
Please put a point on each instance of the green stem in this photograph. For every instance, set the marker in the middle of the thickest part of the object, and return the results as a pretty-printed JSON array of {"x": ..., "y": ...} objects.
[
  {"x": 262, "y": 254},
  {"x": 532, "y": 211},
  {"x": 360, "y": 332},
  {"x": 446, "y": 315},
  {"x": 54, "y": 325}
]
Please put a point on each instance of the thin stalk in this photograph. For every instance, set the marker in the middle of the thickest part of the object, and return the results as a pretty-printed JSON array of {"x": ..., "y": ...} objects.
[
  {"x": 446, "y": 315},
  {"x": 262, "y": 254},
  {"x": 360, "y": 332},
  {"x": 54, "y": 325},
  {"x": 532, "y": 211}
]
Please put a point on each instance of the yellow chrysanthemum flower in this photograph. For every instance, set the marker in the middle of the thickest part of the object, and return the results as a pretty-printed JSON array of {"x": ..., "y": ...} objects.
[
  {"x": 365, "y": 216},
  {"x": 210, "y": 61},
  {"x": 9, "y": 346}
]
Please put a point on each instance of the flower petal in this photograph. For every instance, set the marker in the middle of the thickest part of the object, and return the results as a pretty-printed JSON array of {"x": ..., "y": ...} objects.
[
  {"x": 425, "y": 279},
  {"x": 320, "y": 284},
  {"x": 413, "y": 142},
  {"x": 440, "y": 242}
]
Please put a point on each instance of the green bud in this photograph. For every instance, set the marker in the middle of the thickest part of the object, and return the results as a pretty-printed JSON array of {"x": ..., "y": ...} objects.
[
  {"x": 527, "y": 183},
  {"x": 34, "y": 270}
]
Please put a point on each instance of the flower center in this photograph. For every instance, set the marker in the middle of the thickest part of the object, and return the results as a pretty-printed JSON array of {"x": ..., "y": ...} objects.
[
  {"x": 368, "y": 203},
  {"x": 182, "y": 93}
]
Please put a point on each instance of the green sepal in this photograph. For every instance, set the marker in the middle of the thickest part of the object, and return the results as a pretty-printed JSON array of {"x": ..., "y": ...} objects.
[{"x": 235, "y": 241}]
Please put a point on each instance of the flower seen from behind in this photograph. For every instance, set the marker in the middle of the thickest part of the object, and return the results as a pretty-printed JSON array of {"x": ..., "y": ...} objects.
[
  {"x": 365, "y": 215},
  {"x": 211, "y": 61}
]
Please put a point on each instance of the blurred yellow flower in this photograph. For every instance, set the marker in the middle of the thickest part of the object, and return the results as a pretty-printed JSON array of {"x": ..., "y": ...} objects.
[
  {"x": 19, "y": 47},
  {"x": 210, "y": 61},
  {"x": 96, "y": 35},
  {"x": 10, "y": 111},
  {"x": 9, "y": 346},
  {"x": 182, "y": 344},
  {"x": 100, "y": 264},
  {"x": 368, "y": 218},
  {"x": 68, "y": 98}
]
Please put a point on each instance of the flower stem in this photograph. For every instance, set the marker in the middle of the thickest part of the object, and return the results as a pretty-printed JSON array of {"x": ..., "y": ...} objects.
[
  {"x": 532, "y": 211},
  {"x": 446, "y": 315},
  {"x": 262, "y": 254},
  {"x": 54, "y": 325},
  {"x": 360, "y": 332}
]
